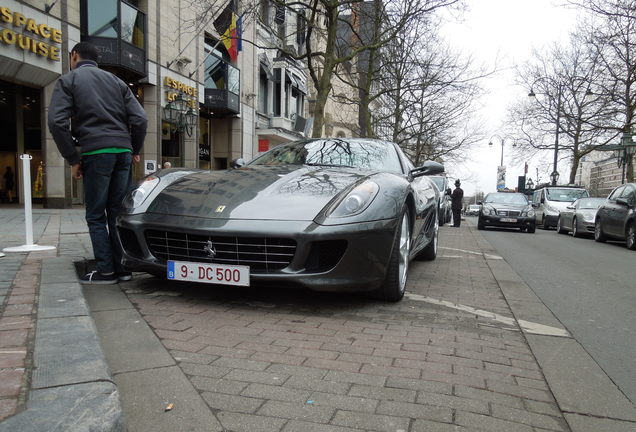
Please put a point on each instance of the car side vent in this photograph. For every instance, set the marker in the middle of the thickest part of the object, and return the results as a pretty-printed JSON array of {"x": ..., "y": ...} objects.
[
  {"x": 324, "y": 255},
  {"x": 129, "y": 242}
]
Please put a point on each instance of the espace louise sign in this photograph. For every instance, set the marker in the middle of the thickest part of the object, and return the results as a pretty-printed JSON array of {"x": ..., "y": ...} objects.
[{"x": 27, "y": 34}]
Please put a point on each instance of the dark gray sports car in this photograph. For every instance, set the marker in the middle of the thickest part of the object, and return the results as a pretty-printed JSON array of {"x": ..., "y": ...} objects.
[{"x": 326, "y": 214}]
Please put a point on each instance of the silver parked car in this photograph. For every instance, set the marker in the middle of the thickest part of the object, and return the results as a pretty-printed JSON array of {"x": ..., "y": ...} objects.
[{"x": 579, "y": 217}]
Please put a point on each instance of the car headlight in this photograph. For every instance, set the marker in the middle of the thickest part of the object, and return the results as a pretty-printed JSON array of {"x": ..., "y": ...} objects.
[
  {"x": 139, "y": 195},
  {"x": 488, "y": 211},
  {"x": 356, "y": 200},
  {"x": 528, "y": 213},
  {"x": 588, "y": 216}
]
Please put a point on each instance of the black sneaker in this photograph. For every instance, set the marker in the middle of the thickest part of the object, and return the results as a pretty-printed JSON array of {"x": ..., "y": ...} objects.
[
  {"x": 97, "y": 278},
  {"x": 124, "y": 276}
]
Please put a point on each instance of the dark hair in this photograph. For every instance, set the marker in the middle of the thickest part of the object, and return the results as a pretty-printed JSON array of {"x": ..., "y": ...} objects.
[{"x": 86, "y": 51}]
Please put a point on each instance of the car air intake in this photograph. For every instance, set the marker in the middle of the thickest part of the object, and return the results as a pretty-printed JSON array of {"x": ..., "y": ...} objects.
[{"x": 262, "y": 254}]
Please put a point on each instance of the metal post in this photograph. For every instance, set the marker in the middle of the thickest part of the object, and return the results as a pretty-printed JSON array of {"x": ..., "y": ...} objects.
[
  {"x": 556, "y": 138},
  {"x": 28, "y": 211}
]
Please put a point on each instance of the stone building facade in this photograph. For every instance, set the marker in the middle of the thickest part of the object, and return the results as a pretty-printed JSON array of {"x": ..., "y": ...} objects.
[{"x": 204, "y": 107}]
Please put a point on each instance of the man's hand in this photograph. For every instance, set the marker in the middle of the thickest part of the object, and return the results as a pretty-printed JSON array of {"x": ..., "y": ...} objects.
[
  {"x": 76, "y": 171},
  {"x": 136, "y": 158}
]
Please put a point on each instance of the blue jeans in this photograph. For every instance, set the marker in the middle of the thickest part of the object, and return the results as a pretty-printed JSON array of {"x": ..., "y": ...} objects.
[{"x": 107, "y": 178}]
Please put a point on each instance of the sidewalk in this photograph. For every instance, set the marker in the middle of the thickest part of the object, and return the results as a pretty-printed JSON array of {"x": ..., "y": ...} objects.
[
  {"x": 53, "y": 367},
  {"x": 53, "y": 376}
]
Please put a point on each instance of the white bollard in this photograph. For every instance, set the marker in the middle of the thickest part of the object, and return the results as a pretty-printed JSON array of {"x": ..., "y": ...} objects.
[{"x": 28, "y": 211}]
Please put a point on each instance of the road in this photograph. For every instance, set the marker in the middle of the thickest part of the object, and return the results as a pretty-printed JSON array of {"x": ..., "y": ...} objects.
[{"x": 590, "y": 287}]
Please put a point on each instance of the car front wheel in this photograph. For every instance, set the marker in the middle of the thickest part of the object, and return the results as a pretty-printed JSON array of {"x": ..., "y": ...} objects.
[
  {"x": 560, "y": 228},
  {"x": 395, "y": 282},
  {"x": 599, "y": 236},
  {"x": 575, "y": 228},
  {"x": 630, "y": 237}
]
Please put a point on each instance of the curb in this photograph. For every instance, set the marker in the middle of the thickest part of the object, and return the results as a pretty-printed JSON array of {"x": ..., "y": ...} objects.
[{"x": 72, "y": 387}]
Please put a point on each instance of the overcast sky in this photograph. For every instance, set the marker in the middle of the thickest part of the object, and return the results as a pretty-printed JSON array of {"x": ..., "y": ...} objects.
[{"x": 503, "y": 33}]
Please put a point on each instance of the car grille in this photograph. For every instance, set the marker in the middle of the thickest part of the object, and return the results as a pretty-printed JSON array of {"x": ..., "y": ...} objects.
[
  {"x": 262, "y": 254},
  {"x": 508, "y": 212}
]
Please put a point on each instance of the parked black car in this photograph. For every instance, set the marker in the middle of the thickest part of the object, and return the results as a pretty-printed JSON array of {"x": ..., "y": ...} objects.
[
  {"x": 616, "y": 219},
  {"x": 506, "y": 209},
  {"x": 442, "y": 183}
]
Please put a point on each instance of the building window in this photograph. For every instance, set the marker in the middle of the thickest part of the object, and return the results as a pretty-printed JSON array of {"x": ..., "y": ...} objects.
[
  {"x": 264, "y": 13},
  {"x": 102, "y": 18},
  {"x": 262, "y": 92},
  {"x": 132, "y": 26}
]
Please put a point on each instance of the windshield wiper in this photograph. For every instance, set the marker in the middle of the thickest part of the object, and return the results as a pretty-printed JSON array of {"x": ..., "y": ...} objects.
[{"x": 329, "y": 165}]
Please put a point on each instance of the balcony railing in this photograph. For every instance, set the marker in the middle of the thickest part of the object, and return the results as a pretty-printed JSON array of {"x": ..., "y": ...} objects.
[{"x": 222, "y": 86}]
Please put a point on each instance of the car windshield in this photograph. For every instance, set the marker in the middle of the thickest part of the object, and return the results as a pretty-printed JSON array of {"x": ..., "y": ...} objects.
[
  {"x": 361, "y": 154},
  {"x": 566, "y": 195},
  {"x": 439, "y": 182},
  {"x": 506, "y": 198},
  {"x": 590, "y": 203}
]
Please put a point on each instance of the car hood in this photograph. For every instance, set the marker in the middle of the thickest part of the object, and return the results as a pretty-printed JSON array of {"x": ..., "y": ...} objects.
[
  {"x": 506, "y": 207},
  {"x": 289, "y": 192}
]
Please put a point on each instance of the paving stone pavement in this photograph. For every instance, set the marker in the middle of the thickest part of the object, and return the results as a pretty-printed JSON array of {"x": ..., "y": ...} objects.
[
  {"x": 259, "y": 359},
  {"x": 281, "y": 360}
]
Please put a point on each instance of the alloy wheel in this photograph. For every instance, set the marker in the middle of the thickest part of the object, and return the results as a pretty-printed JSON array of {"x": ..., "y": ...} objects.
[
  {"x": 631, "y": 236},
  {"x": 405, "y": 247}
]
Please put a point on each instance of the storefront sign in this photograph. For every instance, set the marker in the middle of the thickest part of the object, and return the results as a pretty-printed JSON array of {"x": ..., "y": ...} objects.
[
  {"x": 177, "y": 87},
  {"x": 28, "y": 35}
]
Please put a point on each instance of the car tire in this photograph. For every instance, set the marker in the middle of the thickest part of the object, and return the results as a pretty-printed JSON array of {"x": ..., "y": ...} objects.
[
  {"x": 394, "y": 284},
  {"x": 544, "y": 226},
  {"x": 599, "y": 235},
  {"x": 559, "y": 228},
  {"x": 532, "y": 229},
  {"x": 480, "y": 224},
  {"x": 429, "y": 253},
  {"x": 630, "y": 236},
  {"x": 575, "y": 228}
]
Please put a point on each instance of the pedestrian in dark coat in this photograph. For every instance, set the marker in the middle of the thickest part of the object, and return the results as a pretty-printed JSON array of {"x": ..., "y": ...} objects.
[
  {"x": 110, "y": 126},
  {"x": 8, "y": 183},
  {"x": 456, "y": 204}
]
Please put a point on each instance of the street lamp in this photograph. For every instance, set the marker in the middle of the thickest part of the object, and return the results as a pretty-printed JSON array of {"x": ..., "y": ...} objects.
[
  {"x": 501, "y": 170},
  {"x": 554, "y": 177},
  {"x": 625, "y": 152},
  {"x": 529, "y": 184},
  {"x": 179, "y": 113}
]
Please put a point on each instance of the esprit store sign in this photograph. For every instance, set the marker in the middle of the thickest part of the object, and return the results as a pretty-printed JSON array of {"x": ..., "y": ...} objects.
[{"x": 22, "y": 31}]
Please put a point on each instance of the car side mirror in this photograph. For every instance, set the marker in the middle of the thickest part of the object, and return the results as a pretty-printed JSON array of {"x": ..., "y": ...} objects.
[
  {"x": 535, "y": 205},
  {"x": 542, "y": 200},
  {"x": 448, "y": 191},
  {"x": 238, "y": 163},
  {"x": 622, "y": 201},
  {"x": 429, "y": 168},
  {"x": 479, "y": 202},
  {"x": 570, "y": 207}
]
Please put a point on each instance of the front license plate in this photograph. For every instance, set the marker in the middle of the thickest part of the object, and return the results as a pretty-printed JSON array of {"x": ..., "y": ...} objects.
[
  {"x": 513, "y": 220},
  {"x": 209, "y": 273}
]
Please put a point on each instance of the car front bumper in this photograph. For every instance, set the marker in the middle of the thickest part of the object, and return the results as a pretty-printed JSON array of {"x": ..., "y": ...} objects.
[
  {"x": 507, "y": 221},
  {"x": 361, "y": 267}
]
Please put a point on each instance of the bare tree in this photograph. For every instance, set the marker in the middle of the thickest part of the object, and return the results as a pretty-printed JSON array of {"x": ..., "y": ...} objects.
[
  {"x": 567, "y": 113},
  {"x": 613, "y": 36}
]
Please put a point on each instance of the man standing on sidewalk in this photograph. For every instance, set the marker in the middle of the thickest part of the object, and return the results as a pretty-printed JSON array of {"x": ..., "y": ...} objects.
[
  {"x": 456, "y": 204},
  {"x": 110, "y": 126}
]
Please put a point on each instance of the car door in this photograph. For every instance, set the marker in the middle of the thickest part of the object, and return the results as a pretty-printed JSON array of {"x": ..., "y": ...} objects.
[
  {"x": 622, "y": 210},
  {"x": 609, "y": 215}
]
